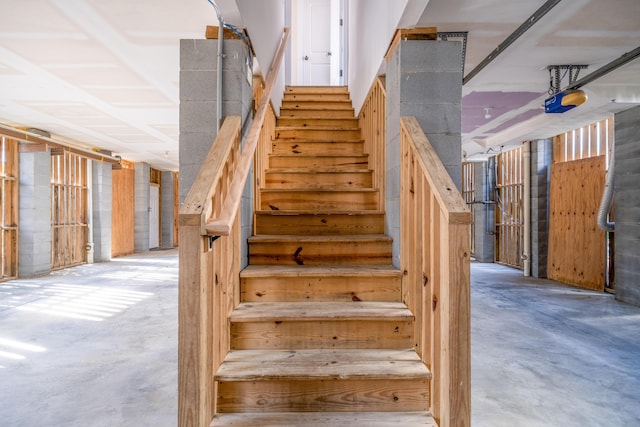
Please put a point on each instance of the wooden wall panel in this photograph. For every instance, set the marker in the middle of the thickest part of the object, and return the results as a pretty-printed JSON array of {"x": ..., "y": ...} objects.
[
  {"x": 122, "y": 212},
  {"x": 577, "y": 247}
]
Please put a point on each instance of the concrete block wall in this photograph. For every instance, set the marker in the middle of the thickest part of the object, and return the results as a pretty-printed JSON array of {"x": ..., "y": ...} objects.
[
  {"x": 141, "y": 207},
  {"x": 101, "y": 180},
  {"x": 34, "y": 214},
  {"x": 541, "y": 160},
  {"x": 627, "y": 205},
  {"x": 424, "y": 79},
  {"x": 167, "y": 214},
  {"x": 483, "y": 214},
  {"x": 198, "y": 99}
]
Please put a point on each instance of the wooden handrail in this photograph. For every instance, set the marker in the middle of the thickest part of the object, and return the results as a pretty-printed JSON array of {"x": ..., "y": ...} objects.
[
  {"x": 197, "y": 205},
  {"x": 223, "y": 223},
  {"x": 446, "y": 192}
]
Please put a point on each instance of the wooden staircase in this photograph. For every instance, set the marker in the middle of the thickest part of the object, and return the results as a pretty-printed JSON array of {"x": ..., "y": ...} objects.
[{"x": 321, "y": 335}]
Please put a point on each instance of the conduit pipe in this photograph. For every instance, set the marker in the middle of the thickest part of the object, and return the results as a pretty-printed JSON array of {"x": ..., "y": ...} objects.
[
  {"x": 526, "y": 250},
  {"x": 607, "y": 197},
  {"x": 219, "y": 67}
]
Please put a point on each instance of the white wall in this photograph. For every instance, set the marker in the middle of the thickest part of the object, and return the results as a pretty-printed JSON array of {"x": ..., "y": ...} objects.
[
  {"x": 264, "y": 21},
  {"x": 372, "y": 24}
]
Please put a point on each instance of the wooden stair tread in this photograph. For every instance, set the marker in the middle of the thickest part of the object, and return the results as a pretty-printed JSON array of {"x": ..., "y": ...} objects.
[
  {"x": 319, "y": 311},
  {"x": 316, "y": 141},
  {"x": 321, "y": 128},
  {"x": 325, "y": 419},
  {"x": 319, "y": 190},
  {"x": 284, "y": 212},
  {"x": 319, "y": 364},
  {"x": 316, "y": 270},
  {"x": 355, "y": 238},
  {"x": 316, "y": 88},
  {"x": 316, "y": 171}
]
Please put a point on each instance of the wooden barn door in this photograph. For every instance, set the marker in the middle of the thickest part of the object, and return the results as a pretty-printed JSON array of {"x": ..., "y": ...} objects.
[
  {"x": 68, "y": 209},
  {"x": 509, "y": 212},
  {"x": 9, "y": 212}
]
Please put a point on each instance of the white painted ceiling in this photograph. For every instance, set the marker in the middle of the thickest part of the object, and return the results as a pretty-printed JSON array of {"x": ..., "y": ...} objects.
[{"x": 104, "y": 74}]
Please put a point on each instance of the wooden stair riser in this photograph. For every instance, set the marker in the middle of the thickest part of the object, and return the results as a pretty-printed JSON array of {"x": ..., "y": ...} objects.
[
  {"x": 319, "y": 224},
  {"x": 327, "y": 334},
  {"x": 343, "y": 148},
  {"x": 348, "y": 123},
  {"x": 316, "y": 97},
  {"x": 291, "y": 199},
  {"x": 294, "y": 179},
  {"x": 320, "y": 252},
  {"x": 316, "y": 113},
  {"x": 315, "y": 89},
  {"x": 320, "y": 288},
  {"x": 317, "y": 105},
  {"x": 326, "y": 395},
  {"x": 318, "y": 134},
  {"x": 303, "y": 161}
]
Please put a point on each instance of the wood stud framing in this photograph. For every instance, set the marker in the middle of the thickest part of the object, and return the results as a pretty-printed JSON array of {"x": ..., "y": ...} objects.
[
  {"x": 469, "y": 196},
  {"x": 68, "y": 210},
  {"x": 372, "y": 120},
  {"x": 509, "y": 213},
  {"x": 9, "y": 214}
]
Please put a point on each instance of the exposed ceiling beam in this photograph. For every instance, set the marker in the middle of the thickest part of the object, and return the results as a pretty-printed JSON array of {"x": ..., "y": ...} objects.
[
  {"x": 542, "y": 10},
  {"x": 607, "y": 68}
]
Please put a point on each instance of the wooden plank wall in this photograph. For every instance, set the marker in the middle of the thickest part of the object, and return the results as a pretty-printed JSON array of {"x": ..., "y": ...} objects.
[
  {"x": 469, "y": 196},
  {"x": 372, "y": 120},
  {"x": 577, "y": 247},
  {"x": 122, "y": 210},
  {"x": 509, "y": 212},
  {"x": 9, "y": 215},
  {"x": 435, "y": 257},
  {"x": 68, "y": 209}
]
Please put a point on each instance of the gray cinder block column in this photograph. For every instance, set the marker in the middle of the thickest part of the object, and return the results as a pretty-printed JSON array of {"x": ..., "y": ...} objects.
[
  {"x": 627, "y": 205},
  {"x": 102, "y": 202},
  {"x": 424, "y": 79},
  {"x": 35, "y": 214},
  {"x": 541, "y": 159},
  {"x": 483, "y": 213},
  {"x": 167, "y": 214},
  {"x": 141, "y": 207},
  {"x": 198, "y": 99}
]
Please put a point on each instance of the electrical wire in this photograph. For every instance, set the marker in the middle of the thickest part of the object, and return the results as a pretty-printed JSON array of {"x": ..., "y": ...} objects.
[{"x": 235, "y": 30}]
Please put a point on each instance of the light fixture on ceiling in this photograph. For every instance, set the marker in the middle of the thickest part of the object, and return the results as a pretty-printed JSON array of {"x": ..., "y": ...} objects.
[
  {"x": 166, "y": 154},
  {"x": 487, "y": 114}
]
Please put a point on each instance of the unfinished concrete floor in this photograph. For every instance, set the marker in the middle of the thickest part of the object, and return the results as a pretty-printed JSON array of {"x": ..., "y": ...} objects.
[{"x": 96, "y": 345}]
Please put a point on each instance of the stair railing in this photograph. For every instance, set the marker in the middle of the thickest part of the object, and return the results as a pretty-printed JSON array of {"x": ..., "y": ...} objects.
[
  {"x": 435, "y": 256},
  {"x": 209, "y": 259},
  {"x": 372, "y": 120}
]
